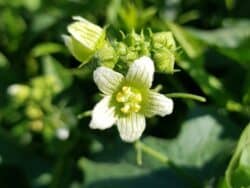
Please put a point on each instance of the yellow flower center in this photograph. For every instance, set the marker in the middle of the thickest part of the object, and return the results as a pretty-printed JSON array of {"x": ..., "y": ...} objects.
[{"x": 130, "y": 98}]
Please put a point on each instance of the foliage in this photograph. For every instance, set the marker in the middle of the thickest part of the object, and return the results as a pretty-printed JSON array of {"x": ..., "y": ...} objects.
[{"x": 45, "y": 140}]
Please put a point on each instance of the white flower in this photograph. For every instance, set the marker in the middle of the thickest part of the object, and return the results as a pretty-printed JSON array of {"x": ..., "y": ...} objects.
[{"x": 128, "y": 100}]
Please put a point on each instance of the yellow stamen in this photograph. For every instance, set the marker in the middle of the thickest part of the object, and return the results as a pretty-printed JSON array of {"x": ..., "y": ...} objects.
[
  {"x": 126, "y": 108},
  {"x": 137, "y": 97},
  {"x": 120, "y": 97},
  {"x": 136, "y": 107},
  {"x": 130, "y": 99},
  {"x": 126, "y": 90}
]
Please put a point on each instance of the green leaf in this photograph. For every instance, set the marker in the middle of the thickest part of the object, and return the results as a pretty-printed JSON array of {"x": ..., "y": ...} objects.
[
  {"x": 129, "y": 16},
  {"x": 43, "y": 21},
  {"x": 112, "y": 11},
  {"x": 46, "y": 49},
  {"x": 33, "y": 167},
  {"x": 199, "y": 154},
  {"x": 123, "y": 175},
  {"x": 209, "y": 84},
  {"x": 229, "y": 4},
  {"x": 230, "y": 36},
  {"x": 4, "y": 62},
  {"x": 231, "y": 40},
  {"x": 188, "y": 42},
  {"x": 12, "y": 27},
  {"x": 203, "y": 145},
  {"x": 238, "y": 171},
  {"x": 32, "y": 5},
  {"x": 61, "y": 75}
]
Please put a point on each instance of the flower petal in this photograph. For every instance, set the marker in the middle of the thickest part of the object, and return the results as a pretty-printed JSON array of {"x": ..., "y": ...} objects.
[
  {"x": 107, "y": 80},
  {"x": 131, "y": 127},
  {"x": 80, "y": 52},
  {"x": 158, "y": 104},
  {"x": 103, "y": 116},
  {"x": 141, "y": 72},
  {"x": 86, "y": 32}
]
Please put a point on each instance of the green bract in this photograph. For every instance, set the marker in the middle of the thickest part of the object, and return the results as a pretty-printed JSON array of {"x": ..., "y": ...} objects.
[
  {"x": 85, "y": 39},
  {"x": 128, "y": 99}
]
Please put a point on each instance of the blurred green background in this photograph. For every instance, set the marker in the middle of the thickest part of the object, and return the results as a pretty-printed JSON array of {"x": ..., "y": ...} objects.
[{"x": 43, "y": 142}]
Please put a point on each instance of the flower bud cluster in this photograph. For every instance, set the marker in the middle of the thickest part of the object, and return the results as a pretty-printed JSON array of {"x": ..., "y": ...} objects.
[
  {"x": 34, "y": 106},
  {"x": 159, "y": 46},
  {"x": 87, "y": 41}
]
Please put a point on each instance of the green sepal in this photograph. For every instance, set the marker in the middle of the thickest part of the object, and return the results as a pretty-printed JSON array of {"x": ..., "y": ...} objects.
[{"x": 107, "y": 55}]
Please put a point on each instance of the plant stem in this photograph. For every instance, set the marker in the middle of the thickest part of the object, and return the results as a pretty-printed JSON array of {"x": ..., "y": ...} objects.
[
  {"x": 141, "y": 147},
  {"x": 158, "y": 88},
  {"x": 187, "y": 96},
  {"x": 138, "y": 153},
  {"x": 84, "y": 114},
  {"x": 152, "y": 152}
]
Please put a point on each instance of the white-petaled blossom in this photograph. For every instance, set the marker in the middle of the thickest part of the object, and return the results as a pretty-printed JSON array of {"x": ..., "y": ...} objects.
[{"x": 128, "y": 99}]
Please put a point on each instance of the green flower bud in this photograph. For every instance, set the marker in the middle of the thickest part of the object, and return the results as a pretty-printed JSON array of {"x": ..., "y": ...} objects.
[
  {"x": 85, "y": 39},
  {"x": 37, "y": 94},
  {"x": 132, "y": 55},
  {"x": 121, "y": 51},
  {"x": 145, "y": 49},
  {"x": 38, "y": 88},
  {"x": 33, "y": 112},
  {"x": 163, "y": 40},
  {"x": 133, "y": 39},
  {"x": 164, "y": 61},
  {"x": 18, "y": 92},
  {"x": 52, "y": 84},
  {"x": 107, "y": 55},
  {"x": 36, "y": 125},
  {"x": 138, "y": 46},
  {"x": 121, "y": 48}
]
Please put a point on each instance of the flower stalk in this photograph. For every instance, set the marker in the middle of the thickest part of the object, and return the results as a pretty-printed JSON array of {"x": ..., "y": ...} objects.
[
  {"x": 186, "y": 96},
  {"x": 141, "y": 147}
]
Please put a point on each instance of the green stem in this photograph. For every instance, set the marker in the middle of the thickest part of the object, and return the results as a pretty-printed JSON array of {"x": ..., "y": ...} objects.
[
  {"x": 138, "y": 153},
  {"x": 165, "y": 160},
  {"x": 84, "y": 114},
  {"x": 158, "y": 88},
  {"x": 187, "y": 96},
  {"x": 152, "y": 152}
]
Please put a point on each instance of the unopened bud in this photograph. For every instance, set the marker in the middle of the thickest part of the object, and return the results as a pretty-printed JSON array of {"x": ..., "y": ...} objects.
[
  {"x": 18, "y": 92},
  {"x": 164, "y": 61},
  {"x": 85, "y": 39},
  {"x": 107, "y": 55},
  {"x": 163, "y": 40},
  {"x": 33, "y": 112},
  {"x": 36, "y": 125},
  {"x": 133, "y": 39}
]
